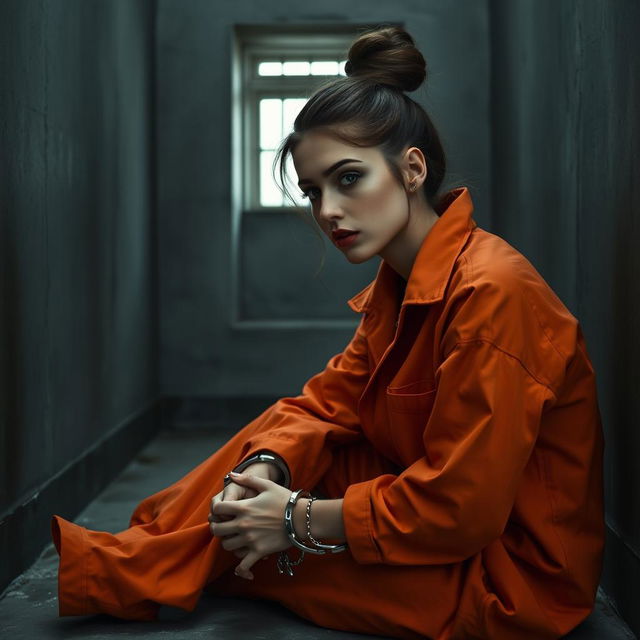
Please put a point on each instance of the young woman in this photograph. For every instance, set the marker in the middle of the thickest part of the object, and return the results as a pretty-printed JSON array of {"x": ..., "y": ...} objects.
[{"x": 443, "y": 473}]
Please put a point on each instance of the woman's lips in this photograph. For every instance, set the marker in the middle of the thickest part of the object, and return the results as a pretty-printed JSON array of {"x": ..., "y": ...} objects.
[{"x": 347, "y": 240}]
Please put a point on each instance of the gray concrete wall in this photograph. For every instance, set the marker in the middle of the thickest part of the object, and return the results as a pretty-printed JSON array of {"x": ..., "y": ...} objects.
[
  {"x": 566, "y": 192},
  {"x": 77, "y": 242},
  {"x": 201, "y": 353}
]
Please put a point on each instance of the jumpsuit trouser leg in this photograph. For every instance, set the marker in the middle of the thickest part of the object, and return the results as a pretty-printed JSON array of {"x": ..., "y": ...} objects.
[
  {"x": 334, "y": 591},
  {"x": 168, "y": 556}
]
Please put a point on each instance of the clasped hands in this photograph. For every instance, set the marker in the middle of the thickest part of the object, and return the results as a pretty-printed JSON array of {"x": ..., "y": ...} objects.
[{"x": 248, "y": 515}]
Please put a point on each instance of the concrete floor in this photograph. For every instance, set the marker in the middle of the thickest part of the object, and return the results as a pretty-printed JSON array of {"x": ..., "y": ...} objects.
[{"x": 29, "y": 608}]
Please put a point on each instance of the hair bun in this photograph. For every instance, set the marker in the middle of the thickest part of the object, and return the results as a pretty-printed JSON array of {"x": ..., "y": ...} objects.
[{"x": 387, "y": 55}]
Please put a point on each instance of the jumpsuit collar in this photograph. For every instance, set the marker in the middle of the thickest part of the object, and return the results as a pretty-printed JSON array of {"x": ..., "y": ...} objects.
[{"x": 433, "y": 264}]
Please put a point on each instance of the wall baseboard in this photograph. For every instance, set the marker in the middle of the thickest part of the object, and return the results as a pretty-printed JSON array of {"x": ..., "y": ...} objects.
[{"x": 69, "y": 491}]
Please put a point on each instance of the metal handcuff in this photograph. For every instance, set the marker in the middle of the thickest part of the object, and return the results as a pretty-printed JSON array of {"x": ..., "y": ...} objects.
[
  {"x": 285, "y": 565},
  {"x": 262, "y": 457}
]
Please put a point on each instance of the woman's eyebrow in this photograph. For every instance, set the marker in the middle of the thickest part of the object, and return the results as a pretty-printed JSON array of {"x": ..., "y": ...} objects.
[{"x": 330, "y": 170}]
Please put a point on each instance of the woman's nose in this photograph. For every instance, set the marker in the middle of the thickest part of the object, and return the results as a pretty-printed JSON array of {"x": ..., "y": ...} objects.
[{"x": 329, "y": 209}]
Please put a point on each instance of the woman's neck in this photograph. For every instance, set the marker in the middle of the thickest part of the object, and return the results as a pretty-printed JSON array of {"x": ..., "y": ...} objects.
[{"x": 401, "y": 252}]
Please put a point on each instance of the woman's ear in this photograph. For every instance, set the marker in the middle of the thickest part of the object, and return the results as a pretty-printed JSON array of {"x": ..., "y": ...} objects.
[{"x": 414, "y": 168}]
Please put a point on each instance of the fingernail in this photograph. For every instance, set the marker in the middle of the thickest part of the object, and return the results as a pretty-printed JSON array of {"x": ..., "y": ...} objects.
[{"x": 233, "y": 473}]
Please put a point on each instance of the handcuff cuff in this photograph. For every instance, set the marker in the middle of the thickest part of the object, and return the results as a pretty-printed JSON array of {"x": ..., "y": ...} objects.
[{"x": 285, "y": 564}]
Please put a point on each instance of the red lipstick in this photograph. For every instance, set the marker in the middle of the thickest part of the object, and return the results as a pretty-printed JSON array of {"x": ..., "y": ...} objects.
[{"x": 344, "y": 237}]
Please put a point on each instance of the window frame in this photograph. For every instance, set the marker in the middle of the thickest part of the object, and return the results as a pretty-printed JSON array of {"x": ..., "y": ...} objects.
[
  {"x": 280, "y": 42},
  {"x": 267, "y": 45}
]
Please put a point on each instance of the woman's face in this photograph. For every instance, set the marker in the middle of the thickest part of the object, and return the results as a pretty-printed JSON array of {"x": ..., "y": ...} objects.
[{"x": 358, "y": 195}]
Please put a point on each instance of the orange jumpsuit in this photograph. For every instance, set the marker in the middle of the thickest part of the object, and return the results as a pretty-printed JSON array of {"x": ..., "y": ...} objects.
[{"x": 460, "y": 424}]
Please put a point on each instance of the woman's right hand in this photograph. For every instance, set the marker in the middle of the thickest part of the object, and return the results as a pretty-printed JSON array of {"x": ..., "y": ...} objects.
[{"x": 234, "y": 491}]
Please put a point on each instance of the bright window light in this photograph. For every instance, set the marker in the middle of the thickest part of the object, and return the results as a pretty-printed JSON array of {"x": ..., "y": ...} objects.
[
  {"x": 270, "y": 122},
  {"x": 325, "y": 68},
  {"x": 295, "y": 68},
  {"x": 270, "y": 69}
]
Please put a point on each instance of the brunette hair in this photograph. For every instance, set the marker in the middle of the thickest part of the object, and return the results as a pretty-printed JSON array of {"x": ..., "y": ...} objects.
[{"x": 369, "y": 108}]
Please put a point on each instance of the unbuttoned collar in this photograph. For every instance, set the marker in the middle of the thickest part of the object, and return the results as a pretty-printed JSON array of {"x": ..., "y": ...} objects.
[{"x": 433, "y": 264}]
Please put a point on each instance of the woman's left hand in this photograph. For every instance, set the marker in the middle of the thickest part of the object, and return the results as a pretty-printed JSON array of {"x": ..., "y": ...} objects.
[{"x": 257, "y": 523}]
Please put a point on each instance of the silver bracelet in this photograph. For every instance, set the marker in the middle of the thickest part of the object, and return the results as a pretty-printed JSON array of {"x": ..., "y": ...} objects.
[
  {"x": 284, "y": 563},
  {"x": 334, "y": 548},
  {"x": 263, "y": 457},
  {"x": 288, "y": 522}
]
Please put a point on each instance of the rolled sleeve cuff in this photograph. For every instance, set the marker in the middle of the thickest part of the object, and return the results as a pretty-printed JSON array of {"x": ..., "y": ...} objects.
[
  {"x": 356, "y": 515},
  {"x": 69, "y": 541}
]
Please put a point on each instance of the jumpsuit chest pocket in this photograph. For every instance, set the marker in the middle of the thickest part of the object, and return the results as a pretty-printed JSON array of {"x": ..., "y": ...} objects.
[
  {"x": 408, "y": 409},
  {"x": 415, "y": 397}
]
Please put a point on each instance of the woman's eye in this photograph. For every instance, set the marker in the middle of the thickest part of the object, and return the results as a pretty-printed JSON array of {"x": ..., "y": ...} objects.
[
  {"x": 306, "y": 194},
  {"x": 350, "y": 173}
]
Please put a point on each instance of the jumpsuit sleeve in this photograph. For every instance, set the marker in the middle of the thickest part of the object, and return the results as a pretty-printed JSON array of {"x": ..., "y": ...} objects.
[
  {"x": 456, "y": 498},
  {"x": 304, "y": 429}
]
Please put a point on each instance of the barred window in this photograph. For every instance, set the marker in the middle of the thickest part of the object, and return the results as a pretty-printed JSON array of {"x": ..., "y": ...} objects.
[{"x": 280, "y": 70}]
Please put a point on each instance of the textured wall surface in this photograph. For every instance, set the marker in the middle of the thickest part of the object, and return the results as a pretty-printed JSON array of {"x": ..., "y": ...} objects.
[
  {"x": 566, "y": 192},
  {"x": 201, "y": 354},
  {"x": 77, "y": 235}
]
